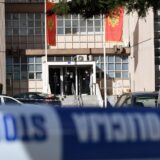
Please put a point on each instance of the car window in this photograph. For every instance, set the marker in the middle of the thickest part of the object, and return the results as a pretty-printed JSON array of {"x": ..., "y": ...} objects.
[
  {"x": 32, "y": 96},
  {"x": 1, "y": 101},
  {"x": 121, "y": 100},
  {"x": 127, "y": 101},
  {"x": 8, "y": 100},
  {"x": 147, "y": 101},
  {"x": 42, "y": 95}
]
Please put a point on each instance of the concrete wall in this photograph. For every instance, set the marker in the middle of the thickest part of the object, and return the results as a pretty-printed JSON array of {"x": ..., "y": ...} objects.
[
  {"x": 2, "y": 46},
  {"x": 142, "y": 66}
]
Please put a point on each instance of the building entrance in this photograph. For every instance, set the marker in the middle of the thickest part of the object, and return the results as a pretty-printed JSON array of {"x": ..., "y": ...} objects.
[
  {"x": 54, "y": 80},
  {"x": 84, "y": 80},
  {"x": 69, "y": 80}
]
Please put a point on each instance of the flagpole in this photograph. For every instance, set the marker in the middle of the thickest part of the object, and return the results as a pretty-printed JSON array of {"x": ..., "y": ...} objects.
[
  {"x": 45, "y": 46},
  {"x": 104, "y": 59}
]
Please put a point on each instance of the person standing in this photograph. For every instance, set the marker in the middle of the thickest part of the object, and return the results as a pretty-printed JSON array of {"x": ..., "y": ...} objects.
[
  {"x": 55, "y": 83},
  {"x": 67, "y": 84},
  {"x": 87, "y": 82}
]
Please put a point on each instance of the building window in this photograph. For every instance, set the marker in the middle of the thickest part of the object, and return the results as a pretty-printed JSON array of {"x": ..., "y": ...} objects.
[
  {"x": 24, "y": 1},
  {"x": 35, "y": 67},
  {"x": 76, "y": 24},
  {"x": 116, "y": 66},
  {"x": 61, "y": 58},
  {"x": 25, "y": 30},
  {"x": 24, "y": 68},
  {"x": 157, "y": 48}
]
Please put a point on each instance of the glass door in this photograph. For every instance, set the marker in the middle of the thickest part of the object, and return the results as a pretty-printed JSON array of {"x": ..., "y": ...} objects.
[
  {"x": 69, "y": 80},
  {"x": 54, "y": 80},
  {"x": 84, "y": 80}
]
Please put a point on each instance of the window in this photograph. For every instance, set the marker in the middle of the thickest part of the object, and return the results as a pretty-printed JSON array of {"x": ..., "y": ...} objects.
[
  {"x": 82, "y": 25},
  {"x": 35, "y": 67},
  {"x": 8, "y": 101},
  {"x": 20, "y": 25},
  {"x": 127, "y": 101},
  {"x": 90, "y": 25},
  {"x": 121, "y": 100},
  {"x": 157, "y": 47},
  {"x": 147, "y": 101},
  {"x": 68, "y": 25},
  {"x": 24, "y": 1},
  {"x": 60, "y": 25},
  {"x": 76, "y": 24},
  {"x": 24, "y": 67},
  {"x": 116, "y": 66}
]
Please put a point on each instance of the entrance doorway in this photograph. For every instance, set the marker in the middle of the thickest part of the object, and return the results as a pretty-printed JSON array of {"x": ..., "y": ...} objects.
[
  {"x": 70, "y": 80},
  {"x": 84, "y": 80},
  {"x": 54, "y": 80}
]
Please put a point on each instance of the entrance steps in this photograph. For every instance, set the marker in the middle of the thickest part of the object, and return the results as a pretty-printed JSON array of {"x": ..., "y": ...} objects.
[
  {"x": 69, "y": 100},
  {"x": 89, "y": 101},
  {"x": 80, "y": 101}
]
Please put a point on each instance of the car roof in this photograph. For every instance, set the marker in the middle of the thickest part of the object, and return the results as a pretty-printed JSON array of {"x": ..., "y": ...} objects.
[
  {"x": 145, "y": 93},
  {"x": 141, "y": 93},
  {"x": 27, "y": 93},
  {"x": 30, "y": 93}
]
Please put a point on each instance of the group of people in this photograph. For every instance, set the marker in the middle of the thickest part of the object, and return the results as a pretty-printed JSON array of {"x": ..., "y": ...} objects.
[{"x": 69, "y": 83}]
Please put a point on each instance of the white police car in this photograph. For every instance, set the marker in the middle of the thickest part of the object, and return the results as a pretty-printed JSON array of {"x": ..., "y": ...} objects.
[{"x": 7, "y": 100}]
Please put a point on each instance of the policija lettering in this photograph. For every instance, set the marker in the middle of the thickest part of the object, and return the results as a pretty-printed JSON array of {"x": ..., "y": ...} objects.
[
  {"x": 23, "y": 127},
  {"x": 117, "y": 127}
]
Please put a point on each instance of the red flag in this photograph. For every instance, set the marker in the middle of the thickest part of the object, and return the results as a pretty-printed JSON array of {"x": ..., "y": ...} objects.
[
  {"x": 114, "y": 26},
  {"x": 51, "y": 25}
]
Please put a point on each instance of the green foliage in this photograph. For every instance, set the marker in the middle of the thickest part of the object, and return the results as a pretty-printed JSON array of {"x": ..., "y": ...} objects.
[
  {"x": 62, "y": 8},
  {"x": 88, "y": 8}
]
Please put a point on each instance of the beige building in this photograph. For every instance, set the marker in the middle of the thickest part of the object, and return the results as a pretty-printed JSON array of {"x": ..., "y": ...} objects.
[
  {"x": 142, "y": 58},
  {"x": 76, "y": 64}
]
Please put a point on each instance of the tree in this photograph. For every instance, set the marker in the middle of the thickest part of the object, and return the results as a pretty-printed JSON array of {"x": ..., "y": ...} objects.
[{"x": 88, "y": 8}]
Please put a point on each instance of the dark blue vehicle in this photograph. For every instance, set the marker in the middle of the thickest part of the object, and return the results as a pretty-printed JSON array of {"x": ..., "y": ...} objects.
[{"x": 38, "y": 98}]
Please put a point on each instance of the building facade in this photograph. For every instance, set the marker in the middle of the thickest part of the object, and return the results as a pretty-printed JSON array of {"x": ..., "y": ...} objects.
[
  {"x": 76, "y": 64},
  {"x": 157, "y": 48}
]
